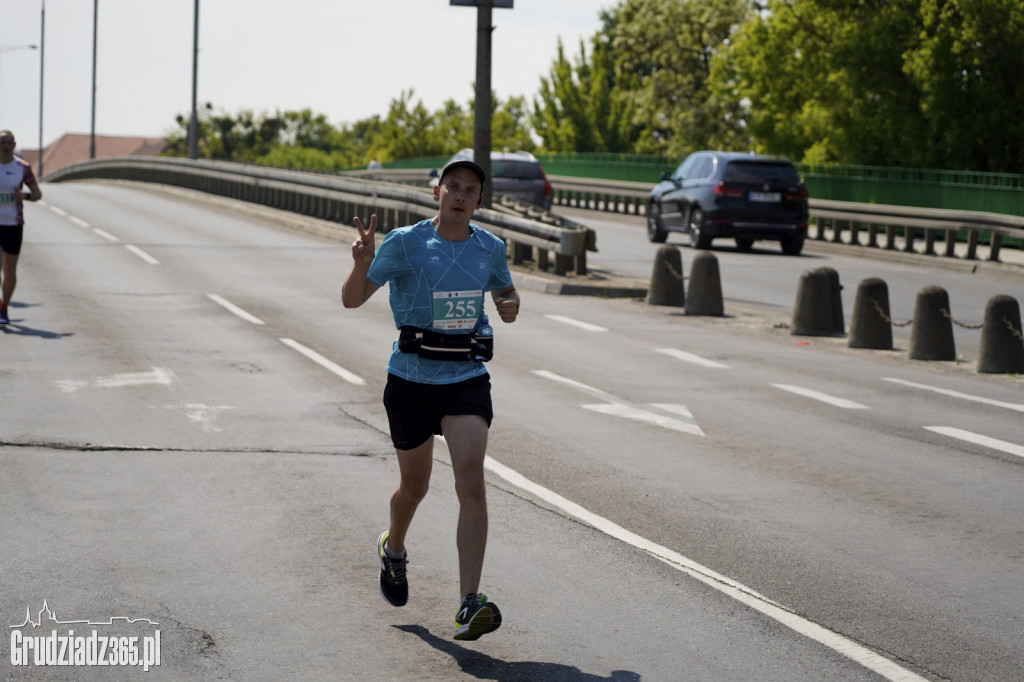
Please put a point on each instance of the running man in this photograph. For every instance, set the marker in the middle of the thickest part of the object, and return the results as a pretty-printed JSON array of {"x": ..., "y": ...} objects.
[
  {"x": 14, "y": 174},
  {"x": 439, "y": 270}
]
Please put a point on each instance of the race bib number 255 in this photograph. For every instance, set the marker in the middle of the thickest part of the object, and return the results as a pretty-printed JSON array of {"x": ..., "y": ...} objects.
[{"x": 457, "y": 309}]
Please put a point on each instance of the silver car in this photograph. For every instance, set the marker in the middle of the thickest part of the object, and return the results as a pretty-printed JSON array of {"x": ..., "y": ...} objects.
[{"x": 516, "y": 175}]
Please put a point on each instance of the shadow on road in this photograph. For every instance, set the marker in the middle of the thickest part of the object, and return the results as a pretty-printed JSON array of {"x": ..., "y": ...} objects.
[
  {"x": 486, "y": 667},
  {"x": 22, "y": 330}
]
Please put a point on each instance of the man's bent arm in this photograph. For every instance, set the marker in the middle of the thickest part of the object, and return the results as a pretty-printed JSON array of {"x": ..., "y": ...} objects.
[{"x": 356, "y": 289}]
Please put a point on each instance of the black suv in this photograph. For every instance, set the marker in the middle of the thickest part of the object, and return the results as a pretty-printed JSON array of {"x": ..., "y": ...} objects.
[{"x": 730, "y": 194}]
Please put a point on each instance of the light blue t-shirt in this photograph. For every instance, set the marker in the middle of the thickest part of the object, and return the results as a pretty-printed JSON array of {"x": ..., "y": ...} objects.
[{"x": 438, "y": 284}]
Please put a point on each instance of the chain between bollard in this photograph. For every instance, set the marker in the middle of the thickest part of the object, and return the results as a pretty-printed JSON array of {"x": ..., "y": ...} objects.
[
  {"x": 675, "y": 273},
  {"x": 959, "y": 324},
  {"x": 886, "y": 318},
  {"x": 1013, "y": 330}
]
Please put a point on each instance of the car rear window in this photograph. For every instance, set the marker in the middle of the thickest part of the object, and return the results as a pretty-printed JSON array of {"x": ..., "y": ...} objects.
[
  {"x": 759, "y": 173},
  {"x": 518, "y": 170}
]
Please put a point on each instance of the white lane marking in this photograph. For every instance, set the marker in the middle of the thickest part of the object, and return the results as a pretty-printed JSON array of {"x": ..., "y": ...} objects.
[
  {"x": 690, "y": 357},
  {"x": 324, "y": 362},
  {"x": 106, "y": 235},
  {"x": 596, "y": 392},
  {"x": 78, "y": 221},
  {"x": 231, "y": 307},
  {"x": 741, "y": 593},
  {"x": 978, "y": 439},
  {"x": 823, "y": 397},
  {"x": 158, "y": 375},
  {"x": 59, "y": 211},
  {"x": 142, "y": 254},
  {"x": 955, "y": 394},
  {"x": 577, "y": 323},
  {"x": 617, "y": 407}
]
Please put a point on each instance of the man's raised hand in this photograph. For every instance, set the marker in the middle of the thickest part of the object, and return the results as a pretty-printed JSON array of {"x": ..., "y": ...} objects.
[{"x": 363, "y": 248}]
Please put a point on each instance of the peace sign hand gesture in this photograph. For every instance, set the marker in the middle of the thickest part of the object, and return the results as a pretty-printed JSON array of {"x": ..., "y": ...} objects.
[{"x": 363, "y": 248}]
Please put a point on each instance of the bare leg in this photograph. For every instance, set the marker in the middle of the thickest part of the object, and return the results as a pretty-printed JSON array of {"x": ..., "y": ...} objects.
[
  {"x": 10, "y": 277},
  {"x": 414, "y": 467},
  {"x": 467, "y": 442}
]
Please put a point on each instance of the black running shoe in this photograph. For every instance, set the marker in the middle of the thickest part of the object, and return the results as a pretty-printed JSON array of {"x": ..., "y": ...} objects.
[
  {"x": 393, "y": 585},
  {"x": 476, "y": 617}
]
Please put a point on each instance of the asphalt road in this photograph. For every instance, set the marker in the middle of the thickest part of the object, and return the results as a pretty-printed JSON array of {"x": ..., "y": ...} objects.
[{"x": 192, "y": 435}]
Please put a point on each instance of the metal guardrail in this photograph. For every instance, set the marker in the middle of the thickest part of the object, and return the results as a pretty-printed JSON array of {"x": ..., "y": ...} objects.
[
  {"x": 839, "y": 218},
  {"x": 886, "y": 220},
  {"x": 339, "y": 198}
]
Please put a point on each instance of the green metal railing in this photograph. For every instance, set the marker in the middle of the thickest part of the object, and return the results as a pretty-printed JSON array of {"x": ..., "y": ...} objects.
[
  {"x": 625, "y": 167},
  {"x": 959, "y": 190}
]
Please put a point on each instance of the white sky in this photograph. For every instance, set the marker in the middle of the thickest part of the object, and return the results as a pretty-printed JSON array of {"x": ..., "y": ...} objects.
[{"x": 346, "y": 59}]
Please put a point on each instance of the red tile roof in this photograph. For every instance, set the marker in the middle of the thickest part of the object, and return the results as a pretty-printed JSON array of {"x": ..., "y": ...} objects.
[{"x": 72, "y": 148}]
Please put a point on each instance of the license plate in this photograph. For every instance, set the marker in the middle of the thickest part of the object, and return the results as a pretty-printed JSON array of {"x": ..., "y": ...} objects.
[{"x": 766, "y": 196}]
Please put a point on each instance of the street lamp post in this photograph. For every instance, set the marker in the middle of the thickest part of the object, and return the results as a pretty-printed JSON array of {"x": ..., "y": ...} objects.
[
  {"x": 12, "y": 48},
  {"x": 193, "y": 121},
  {"x": 92, "y": 125},
  {"x": 482, "y": 110},
  {"x": 42, "y": 60}
]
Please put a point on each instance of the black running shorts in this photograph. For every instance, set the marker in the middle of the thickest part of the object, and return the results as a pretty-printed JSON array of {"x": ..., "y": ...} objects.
[
  {"x": 10, "y": 238},
  {"x": 415, "y": 410}
]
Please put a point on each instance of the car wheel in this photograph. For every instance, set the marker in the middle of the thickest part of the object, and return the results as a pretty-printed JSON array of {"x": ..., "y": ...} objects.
[
  {"x": 744, "y": 243},
  {"x": 655, "y": 230},
  {"x": 792, "y": 246},
  {"x": 699, "y": 238}
]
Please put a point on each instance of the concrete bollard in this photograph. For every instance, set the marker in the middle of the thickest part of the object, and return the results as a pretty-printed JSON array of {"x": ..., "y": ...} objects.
[
  {"x": 871, "y": 326},
  {"x": 931, "y": 337},
  {"x": 705, "y": 295},
  {"x": 1002, "y": 348},
  {"x": 819, "y": 304},
  {"x": 667, "y": 278}
]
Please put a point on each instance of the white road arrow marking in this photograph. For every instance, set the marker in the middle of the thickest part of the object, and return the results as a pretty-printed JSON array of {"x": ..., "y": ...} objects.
[
  {"x": 638, "y": 414},
  {"x": 158, "y": 376},
  {"x": 618, "y": 407}
]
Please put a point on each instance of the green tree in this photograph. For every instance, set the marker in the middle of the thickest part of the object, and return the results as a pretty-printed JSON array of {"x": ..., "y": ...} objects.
[
  {"x": 582, "y": 105},
  {"x": 510, "y": 125},
  {"x": 302, "y": 139},
  {"x": 822, "y": 80},
  {"x": 969, "y": 69},
  {"x": 663, "y": 51},
  {"x": 927, "y": 83}
]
